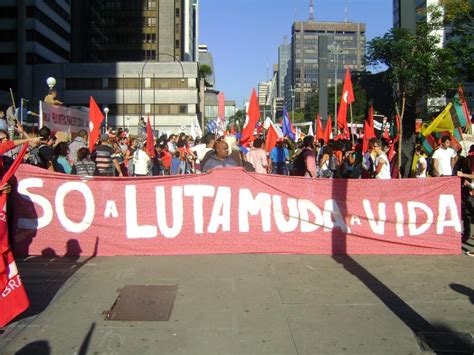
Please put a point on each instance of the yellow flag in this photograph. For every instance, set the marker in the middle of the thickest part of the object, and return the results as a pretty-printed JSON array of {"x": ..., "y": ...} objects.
[{"x": 442, "y": 123}]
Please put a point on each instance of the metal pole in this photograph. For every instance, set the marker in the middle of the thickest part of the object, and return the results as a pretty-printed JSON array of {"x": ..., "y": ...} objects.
[
  {"x": 21, "y": 112},
  {"x": 123, "y": 101},
  {"x": 154, "y": 87},
  {"x": 336, "y": 60},
  {"x": 292, "y": 104}
]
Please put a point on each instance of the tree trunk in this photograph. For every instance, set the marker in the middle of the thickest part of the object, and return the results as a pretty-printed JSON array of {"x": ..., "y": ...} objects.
[{"x": 409, "y": 138}]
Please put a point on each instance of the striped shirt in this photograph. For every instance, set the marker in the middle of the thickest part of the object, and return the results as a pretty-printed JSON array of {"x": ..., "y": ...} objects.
[{"x": 102, "y": 156}]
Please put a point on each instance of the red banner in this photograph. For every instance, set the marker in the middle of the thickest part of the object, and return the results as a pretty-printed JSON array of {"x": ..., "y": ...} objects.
[
  {"x": 233, "y": 211},
  {"x": 13, "y": 298}
]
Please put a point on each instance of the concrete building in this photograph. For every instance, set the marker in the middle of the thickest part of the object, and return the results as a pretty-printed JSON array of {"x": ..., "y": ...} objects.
[
  {"x": 346, "y": 42},
  {"x": 167, "y": 92},
  {"x": 32, "y": 32},
  {"x": 205, "y": 57},
  {"x": 262, "y": 92},
  {"x": 284, "y": 61},
  {"x": 134, "y": 30},
  {"x": 212, "y": 107}
]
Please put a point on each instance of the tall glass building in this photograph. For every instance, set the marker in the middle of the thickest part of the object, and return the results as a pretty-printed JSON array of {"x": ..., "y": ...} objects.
[{"x": 346, "y": 45}]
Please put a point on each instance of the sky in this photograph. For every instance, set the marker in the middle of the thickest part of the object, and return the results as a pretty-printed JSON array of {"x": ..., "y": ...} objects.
[{"x": 243, "y": 35}]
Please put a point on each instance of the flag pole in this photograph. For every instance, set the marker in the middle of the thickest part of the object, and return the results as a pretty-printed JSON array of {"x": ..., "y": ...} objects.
[
  {"x": 13, "y": 99},
  {"x": 352, "y": 124},
  {"x": 400, "y": 139}
]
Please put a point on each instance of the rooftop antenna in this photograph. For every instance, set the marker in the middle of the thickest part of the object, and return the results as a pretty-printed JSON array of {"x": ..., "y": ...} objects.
[
  {"x": 267, "y": 69},
  {"x": 345, "y": 11},
  {"x": 311, "y": 10}
]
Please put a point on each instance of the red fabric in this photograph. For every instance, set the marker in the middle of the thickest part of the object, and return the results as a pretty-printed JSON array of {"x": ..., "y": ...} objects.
[
  {"x": 347, "y": 98},
  {"x": 369, "y": 131},
  {"x": 95, "y": 120},
  {"x": 166, "y": 158},
  {"x": 221, "y": 106},
  {"x": 253, "y": 115},
  {"x": 234, "y": 211},
  {"x": 5, "y": 147},
  {"x": 13, "y": 298},
  {"x": 150, "y": 140},
  {"x": 232, "y": 130},
  {"x": 328, "y": 130},
  {"x": 370, "y": 118},
  {"x": 271, "y": 138},
  {"x": 319, "y": 129}
]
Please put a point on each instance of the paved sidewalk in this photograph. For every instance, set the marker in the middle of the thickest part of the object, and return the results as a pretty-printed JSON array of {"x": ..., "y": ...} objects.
[{"x": 246, "y": 304}]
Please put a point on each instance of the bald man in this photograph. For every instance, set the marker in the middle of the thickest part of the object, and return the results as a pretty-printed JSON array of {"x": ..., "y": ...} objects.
[{"x": 219, "y": 158}]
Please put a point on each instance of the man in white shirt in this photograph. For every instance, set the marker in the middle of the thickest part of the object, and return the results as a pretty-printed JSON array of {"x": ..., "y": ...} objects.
[
  {"x": 444, "y": 158},
  {"x": 382, "y": 165}
]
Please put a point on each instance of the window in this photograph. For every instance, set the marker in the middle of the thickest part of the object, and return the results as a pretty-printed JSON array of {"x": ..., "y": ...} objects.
[
  {"x": 177, "y": 43},
  {"x": 151, "y": 4},
  {"x": 150, "y": 21},
  {"x": 177, "y": 12}
]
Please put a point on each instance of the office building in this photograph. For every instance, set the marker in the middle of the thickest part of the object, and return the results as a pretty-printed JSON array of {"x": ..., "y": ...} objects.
[
  {"x": 134, "y": 30},
  {"x": 167, "y": 93},
  {"x": 32, "y": 32},
  {"x": 346, "y": 44},
  {"x": 284, "y": 59}
]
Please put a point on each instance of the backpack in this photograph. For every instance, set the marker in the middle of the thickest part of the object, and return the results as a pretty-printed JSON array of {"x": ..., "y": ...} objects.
[
  {"x": 34, "y": 157},
  {"x": 299, "y": 165}
]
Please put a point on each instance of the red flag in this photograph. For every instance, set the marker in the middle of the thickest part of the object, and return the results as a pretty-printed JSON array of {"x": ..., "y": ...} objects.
[
  {"x": 13, "y": 298},
  {"x": 150, "y": 140},
  {"x": 370, "y": 119},
  {"x": 328, "y": 130},
  {"x": 386, "y": 135},
  {"x": 319, "y": 129},
  {"x": 253, "y": 115},
  {"x": 347, "y": 98},
  {"x": 271, "y": 139},
  {"x": 95, "y": 120}
]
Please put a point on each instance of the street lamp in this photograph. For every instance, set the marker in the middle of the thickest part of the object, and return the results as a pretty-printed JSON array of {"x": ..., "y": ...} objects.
[
  {"x": 335, "y": 49},
  {"x": 292, "y": 104},
  {"x": 106, "y": 111},
  {"x": 51, "y": 82}
]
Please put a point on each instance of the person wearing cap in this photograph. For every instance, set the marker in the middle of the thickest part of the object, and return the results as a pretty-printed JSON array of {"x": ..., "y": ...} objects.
[
  {"x": 103, "y": 158},
  {"x": 278, "y": 158}
]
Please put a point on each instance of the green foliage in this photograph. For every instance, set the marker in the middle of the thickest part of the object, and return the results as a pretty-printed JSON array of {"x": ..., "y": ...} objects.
[{"x": 204, "y": 71}]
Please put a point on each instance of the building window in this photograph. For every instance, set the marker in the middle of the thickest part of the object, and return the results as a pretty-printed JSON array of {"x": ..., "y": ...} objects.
[
  {"x": 151, "y": 4},
  {"x": 177, "y": 12},
  {"x": 177, "y": 44},
  {"x": 150, "y": 21}
]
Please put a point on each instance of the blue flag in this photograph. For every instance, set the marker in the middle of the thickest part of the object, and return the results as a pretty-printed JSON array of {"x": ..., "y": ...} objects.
[{"x": 287, "y": 128}]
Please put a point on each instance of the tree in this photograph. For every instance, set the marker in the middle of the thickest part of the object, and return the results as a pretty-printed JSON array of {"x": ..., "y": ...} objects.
[
  {"x": 418, "y": 68},
  {"x": 459, "y": 19},
  {"x": 204, "y": 72}
]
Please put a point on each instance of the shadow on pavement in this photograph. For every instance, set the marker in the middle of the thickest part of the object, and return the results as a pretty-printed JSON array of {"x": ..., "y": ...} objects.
[{"x": 430, "y": 337}]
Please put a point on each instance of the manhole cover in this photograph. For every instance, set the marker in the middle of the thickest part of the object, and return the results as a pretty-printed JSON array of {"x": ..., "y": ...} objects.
[
  {"x": 143, "y": 303},
  {"x": 450, "y": 342}
]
